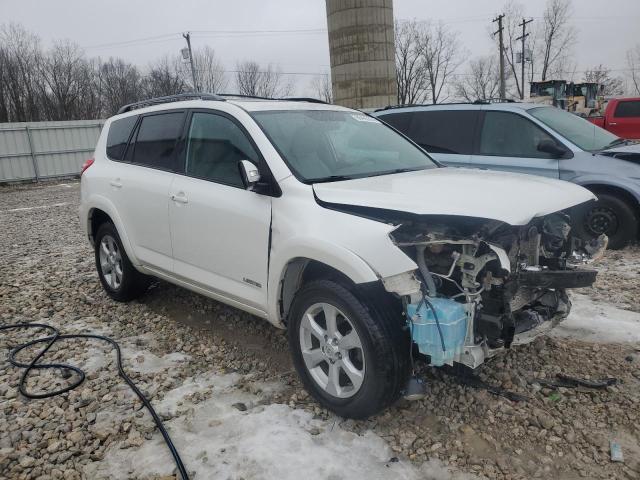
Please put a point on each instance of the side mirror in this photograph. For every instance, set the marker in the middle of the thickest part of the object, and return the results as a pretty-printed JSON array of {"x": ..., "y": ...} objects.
[
  {"x": 552, "y": 148},
  {"x": 249, "y": 173}
]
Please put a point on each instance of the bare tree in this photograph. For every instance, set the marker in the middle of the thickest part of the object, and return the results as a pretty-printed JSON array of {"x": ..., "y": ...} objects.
[
  {"x": 19, "y": 77},
  {"x": 441, "y": 52},
  {"x": 210, "y": 75},
  {"x": 120, "y": 83},
  {"x": 602, "y": 76},
  {"x": 633, "y": 62},
  {"x": 164, "y": 78},
  {"x": 321, "y": 86},
  {"x": 68, "y": 85},
  {"x": 411, "y": 75},
  {"x": 252, "y": 79},
  {"x": 557, "y": 37},
  {"x": 481, "y": 81}
]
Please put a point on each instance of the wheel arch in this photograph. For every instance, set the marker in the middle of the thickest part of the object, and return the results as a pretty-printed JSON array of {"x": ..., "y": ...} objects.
[
  {"x": 101, "y": 210},
  {"x": 616, "y": 190}
]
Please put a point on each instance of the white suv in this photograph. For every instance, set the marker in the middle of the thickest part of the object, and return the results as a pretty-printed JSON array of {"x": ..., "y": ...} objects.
[{"x": 327, "y": 222}]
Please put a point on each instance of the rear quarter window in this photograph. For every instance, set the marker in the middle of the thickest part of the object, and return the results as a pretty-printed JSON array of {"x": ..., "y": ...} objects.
[
  {"x": 630, "y": 108},
  {"x": 118, "y": 136}
]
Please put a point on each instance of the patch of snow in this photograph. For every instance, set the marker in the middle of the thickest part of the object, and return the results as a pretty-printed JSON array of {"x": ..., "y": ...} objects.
[
  {"x": 216, "y": 440},
  {"x": 598, "y": 322},
  {"x": 144, "y": 361}
]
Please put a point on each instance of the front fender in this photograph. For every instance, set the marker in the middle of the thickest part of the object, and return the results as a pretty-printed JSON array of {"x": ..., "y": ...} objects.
[
  {"x": 333, "y": 255},
  {"x": 631, "y": 188}
]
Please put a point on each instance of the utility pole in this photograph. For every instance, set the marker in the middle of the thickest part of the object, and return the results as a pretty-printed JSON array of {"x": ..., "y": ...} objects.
[
  {"x": 187, "y": 37},
  {"x": 503, "y": 92},
  {"x": 524, "y": 56}
]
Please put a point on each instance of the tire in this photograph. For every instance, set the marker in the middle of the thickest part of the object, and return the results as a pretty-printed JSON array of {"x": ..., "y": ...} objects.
[
  {"x": 381, "y": 360},
  {"x": 610, "y": 215},
  {"x": 129, "y": 284}
]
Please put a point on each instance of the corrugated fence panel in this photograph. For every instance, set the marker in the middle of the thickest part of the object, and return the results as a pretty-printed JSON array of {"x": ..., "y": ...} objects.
[{"x": 59, "y": 148}]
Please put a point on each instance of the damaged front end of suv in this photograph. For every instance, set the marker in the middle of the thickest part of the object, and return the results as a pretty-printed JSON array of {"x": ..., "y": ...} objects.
[{"x": 484, "y": 285}]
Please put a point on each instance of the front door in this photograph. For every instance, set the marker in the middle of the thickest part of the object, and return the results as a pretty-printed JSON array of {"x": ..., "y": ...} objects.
[
  {"x": 220, "y": 230},
  {"x": 626, "y": 120},
  {"x": 508, "y": 141}
]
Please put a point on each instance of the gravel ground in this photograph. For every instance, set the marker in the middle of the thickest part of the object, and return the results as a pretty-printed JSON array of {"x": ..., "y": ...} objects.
[{"x": 210, "y": 367}]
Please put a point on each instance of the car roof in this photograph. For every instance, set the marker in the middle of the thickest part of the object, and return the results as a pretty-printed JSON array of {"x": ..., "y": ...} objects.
[
  {"x": 506, "y": 106},
  {"x": 245, "y": 103}
]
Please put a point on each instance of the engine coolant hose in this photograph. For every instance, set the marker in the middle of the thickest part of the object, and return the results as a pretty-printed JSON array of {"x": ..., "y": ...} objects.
[{"x": 50, "y": 341}]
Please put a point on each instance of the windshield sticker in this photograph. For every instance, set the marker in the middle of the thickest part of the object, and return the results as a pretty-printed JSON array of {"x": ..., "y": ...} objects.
[{"x": 364, "y": 118}]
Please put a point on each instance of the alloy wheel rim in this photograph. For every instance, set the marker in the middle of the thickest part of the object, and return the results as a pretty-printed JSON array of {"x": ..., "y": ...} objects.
[
  {"x": 110, "y": 262},
  {"x": 332, "y": 350}
]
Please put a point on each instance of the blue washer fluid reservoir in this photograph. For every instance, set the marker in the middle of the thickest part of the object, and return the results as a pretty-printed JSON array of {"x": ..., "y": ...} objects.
[{"x": 452, "y": 317}]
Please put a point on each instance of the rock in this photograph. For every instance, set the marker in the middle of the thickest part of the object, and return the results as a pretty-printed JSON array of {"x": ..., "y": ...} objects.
[
  {"x": 240, "y": 406},
  {"x": 26, "y": 461}
]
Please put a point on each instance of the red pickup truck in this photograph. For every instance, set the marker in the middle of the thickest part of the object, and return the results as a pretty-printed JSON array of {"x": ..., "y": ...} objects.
[{"x": 621, "y": 117}]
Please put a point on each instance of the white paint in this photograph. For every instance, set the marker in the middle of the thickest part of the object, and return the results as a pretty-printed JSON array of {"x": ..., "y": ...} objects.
[
  {"x": 599, "y": 322},
  {"x": 508, "y": 197}
]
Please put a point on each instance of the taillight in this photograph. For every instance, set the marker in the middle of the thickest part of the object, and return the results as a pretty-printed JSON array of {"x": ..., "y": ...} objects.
[{"x": 86, "y": 165}]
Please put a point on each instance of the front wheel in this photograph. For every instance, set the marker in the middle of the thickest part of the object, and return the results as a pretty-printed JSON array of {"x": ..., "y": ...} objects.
[
  {"x": 351, "y": 357},
  {"x": 610, "y": 215}
]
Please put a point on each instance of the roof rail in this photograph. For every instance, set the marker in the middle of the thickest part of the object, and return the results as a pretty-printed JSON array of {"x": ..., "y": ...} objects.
[
  {"x": 170, "y": 98},
  {"x": 303, "y": 99},
  {"x": 283, "y": 99}
]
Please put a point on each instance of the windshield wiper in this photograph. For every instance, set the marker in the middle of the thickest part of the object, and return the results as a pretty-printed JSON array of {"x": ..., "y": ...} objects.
[
  {"x": 617, "y": 141},
  {"x": 331, "y": 178}
]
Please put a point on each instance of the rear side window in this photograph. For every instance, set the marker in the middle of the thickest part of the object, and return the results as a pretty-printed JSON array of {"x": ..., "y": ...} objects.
[
  {"x": 118, "y": 136},
  {"x": 444, "y": 131},
  {"x": 628, "y": 109},
  {"x": 156, "y": 141},
  {"x": 399, "y": 121}
]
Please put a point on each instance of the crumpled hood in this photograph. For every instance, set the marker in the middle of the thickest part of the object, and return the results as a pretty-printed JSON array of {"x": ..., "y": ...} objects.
[{"x": 508, "y": 197}]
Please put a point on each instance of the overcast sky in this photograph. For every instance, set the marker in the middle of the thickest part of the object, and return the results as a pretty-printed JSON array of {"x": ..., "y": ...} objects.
[{"x": 140, "y": 31}]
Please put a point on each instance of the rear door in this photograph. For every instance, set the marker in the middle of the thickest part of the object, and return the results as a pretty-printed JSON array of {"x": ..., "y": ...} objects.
[
  {"x": 220, "y": 230},
  {"x": 508, "y": 141},
  {"x": 626, "y": 119},
  {"x": 141, "y": 185},
  {"x": 446, "y": 134}
]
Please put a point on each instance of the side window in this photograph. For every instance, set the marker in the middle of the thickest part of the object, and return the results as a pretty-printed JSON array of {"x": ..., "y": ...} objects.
[
  {"x": 118, "y": 136},
  {"x": 445, "y": 131},
  {"x": 214, "y": 147},
  {"x": 157, "y": 139},
  {"x": 628, "y": 109},
  {"x": 399, "y": 121},
  {"x": 511, "y": 135}
]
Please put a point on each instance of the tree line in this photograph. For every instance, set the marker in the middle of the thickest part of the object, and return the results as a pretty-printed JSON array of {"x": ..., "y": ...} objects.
[
  {"x": 429, "y": 57},
  {"x": 62, "y": 83}
]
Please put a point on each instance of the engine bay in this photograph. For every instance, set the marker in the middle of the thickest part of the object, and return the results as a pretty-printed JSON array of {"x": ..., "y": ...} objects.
[{"x": 511, "y": 280}]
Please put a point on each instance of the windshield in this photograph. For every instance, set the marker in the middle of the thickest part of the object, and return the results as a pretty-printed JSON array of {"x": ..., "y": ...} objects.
[
  {"x": 577, "y": 130},
  {"x": 326, "y": 145}
]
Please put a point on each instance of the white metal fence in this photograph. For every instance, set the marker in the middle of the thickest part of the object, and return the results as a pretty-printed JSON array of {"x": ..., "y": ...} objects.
[{"x": 38, "y": 150}]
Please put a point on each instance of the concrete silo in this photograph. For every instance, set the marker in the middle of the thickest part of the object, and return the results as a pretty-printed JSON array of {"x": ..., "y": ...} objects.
[{"x": 361, "y": 47}]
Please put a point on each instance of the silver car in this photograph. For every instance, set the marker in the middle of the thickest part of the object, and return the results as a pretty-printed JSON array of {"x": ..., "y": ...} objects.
[{"x": 538, "y": 140}]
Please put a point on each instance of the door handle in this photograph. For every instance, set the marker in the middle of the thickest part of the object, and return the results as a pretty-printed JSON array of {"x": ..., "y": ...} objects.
[
  {"x": 613, "y": 123},
  {"x": 116, "y": 183},
  {"x": 180, "y": 198}
]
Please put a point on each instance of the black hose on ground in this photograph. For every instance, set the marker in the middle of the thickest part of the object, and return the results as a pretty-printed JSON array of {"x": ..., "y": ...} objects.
[{"x": 50, "y": 341}]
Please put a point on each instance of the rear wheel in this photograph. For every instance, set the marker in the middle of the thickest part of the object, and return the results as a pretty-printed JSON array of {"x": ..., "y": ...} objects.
[
  {"x": 352, "y": 358},
  {"x": 610, "y": 215},
  {"x": 118, "y": 276}
]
